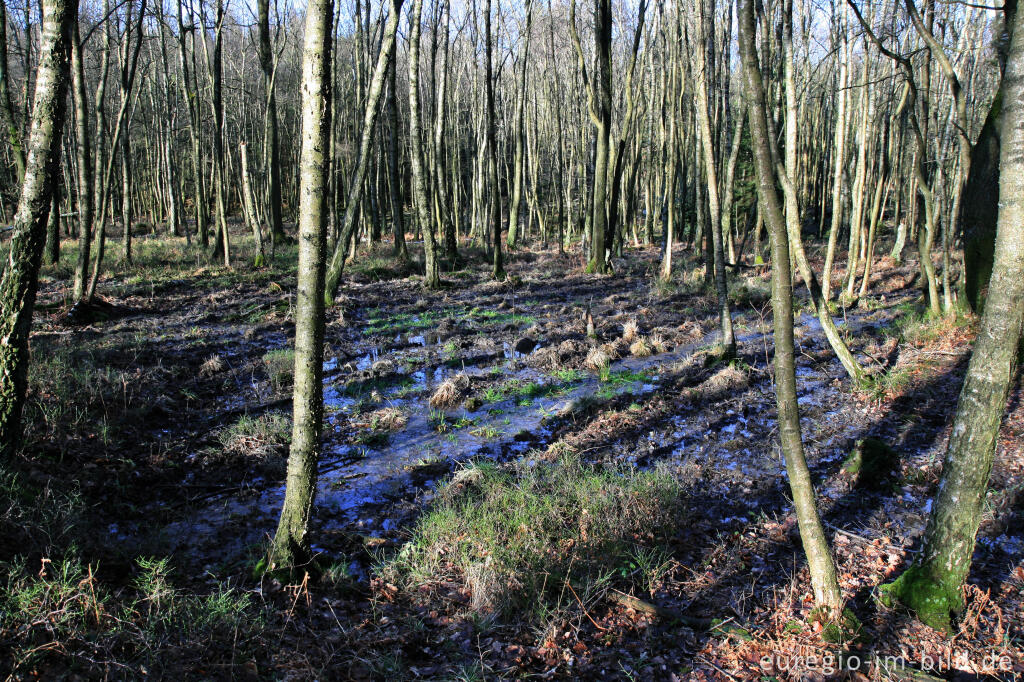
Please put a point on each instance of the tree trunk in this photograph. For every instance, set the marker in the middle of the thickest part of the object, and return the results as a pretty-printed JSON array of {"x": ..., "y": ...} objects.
[
  {"x": 932, "y": 586},
  {"x": 290, "y": 547},
  {"x": 19, "y": 281},
  {"x": 701, "y": 67},
  {"x": 819, "y": 558},
  {"x": 355, "y": 187},
  {"x": 6, "y": 109},
  {"x": 83, "y": 160},
  {"x": 249, "y": 206},
  {"x": 498, "y": 270},
  {"x": 431, "y": 276},
  {"x": 394, "y": 173},
  {"x": 273, "y": 152}
]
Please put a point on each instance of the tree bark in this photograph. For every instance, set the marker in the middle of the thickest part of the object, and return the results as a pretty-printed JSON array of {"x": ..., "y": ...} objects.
[
  {"x": 6, "y": 109},
  {"x": 273, "y": 148},
  {"x": 498, "y": 269},
  {"x": 83, "y": 160}
]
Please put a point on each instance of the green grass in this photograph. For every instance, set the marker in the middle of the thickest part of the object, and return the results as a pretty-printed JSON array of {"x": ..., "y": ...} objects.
[
  {"x": 523, "y": 392},
  {"x": 272, "y": 427},
  {"x": 381, "y": 321},
  {"x": 280, "y": 365},
  {"x": 490, "y": 318},
  {"x": 568, "y": 376},
  {"x": 64, "y": 616},
  {"x": 74, "y": 392},
  {"x": 517, "y": 536}
]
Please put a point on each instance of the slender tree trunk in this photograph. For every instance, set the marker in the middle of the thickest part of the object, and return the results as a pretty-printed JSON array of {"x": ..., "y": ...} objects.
[
  {"x": 52, "y": 250},
  {"x": 825, "y": 585},
  {"x": 290, "y": 547},
  {"x": 84, "y": 165},
  {"x": 498, "y": 270},
  {"x": 701, "y": 68},
  {"x": 515, "y": 202},
  {"x": 431, "y": 275},
  {"x": 189, "y": 94},
  {"x": 273, "y": 152},
  {"x": 839, "y": 154},
  {"x": 394, "y": 172},
  {"x": 358, "y": 180},
  {"x": 788, "y": 175},
  {"x": 222, "y": 241},
  {"x": 6, "y": 109},
  {"x": 249, "y": 206}
]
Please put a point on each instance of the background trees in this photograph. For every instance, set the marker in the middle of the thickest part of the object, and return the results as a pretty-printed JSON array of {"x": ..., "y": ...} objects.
[{"x": 625, "y": 120}]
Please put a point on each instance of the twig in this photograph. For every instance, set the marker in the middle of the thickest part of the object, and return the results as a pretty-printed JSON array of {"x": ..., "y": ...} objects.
[
  {"x": 585, "y": 612},
  {"x": 852, "y": 536}
]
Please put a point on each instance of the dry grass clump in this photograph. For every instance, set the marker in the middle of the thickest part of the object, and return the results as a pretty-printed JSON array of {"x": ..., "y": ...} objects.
[
  {"x": 724, "y": 380},
  {"x": 641, "y": 348},
  {"x": 596, "y": 360},
  {"x": 257, "y": 436},
  {"x": 545, "y": 358},
  {"x": 569, "y": 354},
  {"x": 211, "y": 365},
  {"x": 657, "y": 342},
  {"x": 630, "y": 331},
  {"x": 615, "y": 349},
  {"x": 449, "y": 393},
  {"x": 387, "y": 419}
]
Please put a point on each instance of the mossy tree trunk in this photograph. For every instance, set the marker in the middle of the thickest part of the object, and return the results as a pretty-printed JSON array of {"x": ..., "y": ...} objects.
[
  {"x": 42, "y": 164},
  {"x": 290, "y": 547},
  {"x": 932, "y": 587},
  {"x": 819, "y": 558}
]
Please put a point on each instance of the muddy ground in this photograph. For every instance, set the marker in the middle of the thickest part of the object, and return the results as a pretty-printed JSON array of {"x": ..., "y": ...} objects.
[{"x": 178, "y": 356}]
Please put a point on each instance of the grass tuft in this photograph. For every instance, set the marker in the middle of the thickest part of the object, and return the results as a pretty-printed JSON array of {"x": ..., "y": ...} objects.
[{"x": 517, "y": 536}]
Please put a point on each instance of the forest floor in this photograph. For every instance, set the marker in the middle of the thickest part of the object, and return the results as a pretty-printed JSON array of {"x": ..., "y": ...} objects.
[{"x": 500, "y": 495}]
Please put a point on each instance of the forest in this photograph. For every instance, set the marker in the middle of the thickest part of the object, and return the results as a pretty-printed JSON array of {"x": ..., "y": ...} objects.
[{"x": 482, "y": 340}]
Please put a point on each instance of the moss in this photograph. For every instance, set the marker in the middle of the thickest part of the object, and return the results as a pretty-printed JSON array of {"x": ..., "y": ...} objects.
[
  {"x": 871, "y": 462},
  {"x": 933, "y": 604},
  {"x": 841, "y": 630}
]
